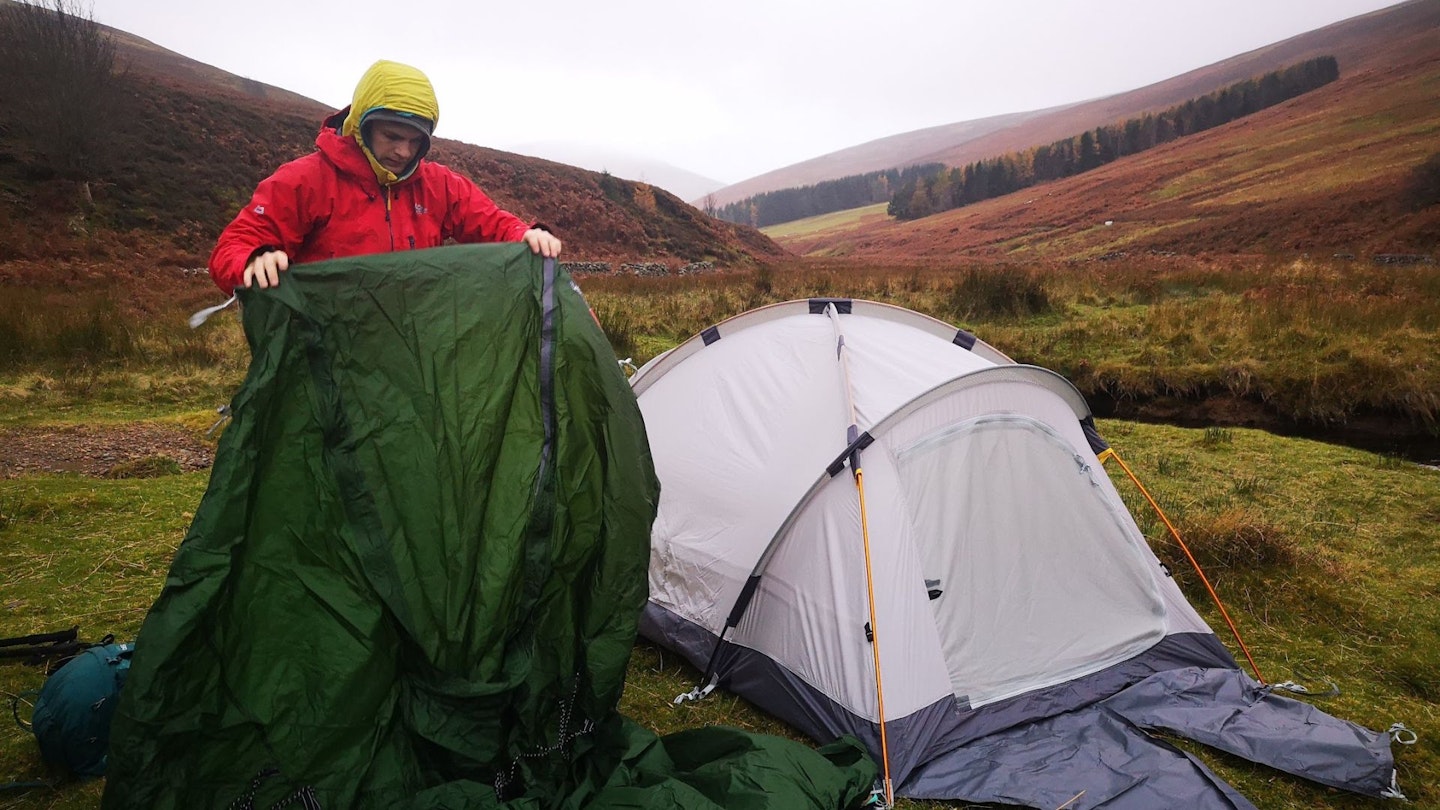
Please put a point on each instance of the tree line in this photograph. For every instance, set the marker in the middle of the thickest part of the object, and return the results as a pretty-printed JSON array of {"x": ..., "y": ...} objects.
[
  {"x": 787, "y": 205},
  {"x": 947, "y": 188}
]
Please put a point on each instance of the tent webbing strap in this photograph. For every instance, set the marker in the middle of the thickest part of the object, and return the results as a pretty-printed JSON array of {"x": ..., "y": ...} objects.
[{"x": 1235, "y": 631}]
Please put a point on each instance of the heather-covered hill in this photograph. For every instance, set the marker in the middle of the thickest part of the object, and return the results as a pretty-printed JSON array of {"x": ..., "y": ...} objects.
[
  {"x": 186, "y": 143},
  {"x": 1360, "y": 44},
  {"x": 1327, "y": 172}
]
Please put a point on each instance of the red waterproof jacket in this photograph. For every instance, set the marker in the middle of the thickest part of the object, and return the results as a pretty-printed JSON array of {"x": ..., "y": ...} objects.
[{"x": 330, "y": 204}]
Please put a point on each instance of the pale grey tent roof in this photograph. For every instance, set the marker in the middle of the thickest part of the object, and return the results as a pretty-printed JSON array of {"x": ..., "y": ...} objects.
[{"x": 1016, "y": 599}]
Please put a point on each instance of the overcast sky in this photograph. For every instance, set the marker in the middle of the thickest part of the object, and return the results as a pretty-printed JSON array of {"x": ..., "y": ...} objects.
[{"x": 726, "y": 89}]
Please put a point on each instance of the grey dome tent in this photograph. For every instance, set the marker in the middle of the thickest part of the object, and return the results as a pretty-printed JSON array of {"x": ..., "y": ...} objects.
[{"x": 873, "y": 523}]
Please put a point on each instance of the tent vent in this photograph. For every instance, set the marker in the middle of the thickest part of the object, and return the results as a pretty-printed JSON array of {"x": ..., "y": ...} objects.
[
  {"x": 965, "y": 340},
  {"x": 711, "y": 335},
  {"x": 817, "y": 305}
]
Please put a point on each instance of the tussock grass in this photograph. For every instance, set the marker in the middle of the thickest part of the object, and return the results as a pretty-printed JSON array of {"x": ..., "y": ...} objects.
[
  {"x": 1316, "y": 342},
  {"x": 151, "y": 466},
  {"x": 41, "y": 328},
  {"x": 78, "y": 356},
  {"x": 1329, "y": 566}
]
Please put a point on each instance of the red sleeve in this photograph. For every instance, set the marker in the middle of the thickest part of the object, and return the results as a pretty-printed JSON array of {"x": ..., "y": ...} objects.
[
  {"x": 275, "y": 218},
  {"x": 473, "y": 217}
]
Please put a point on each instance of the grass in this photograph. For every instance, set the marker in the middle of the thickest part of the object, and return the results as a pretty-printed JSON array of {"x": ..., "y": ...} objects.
[
  {"x": 1327, "y": 557},
  {"x": 825, "y": 222},
  {"x": 1316, "y": 342},
  {"x": 1330, "y": 567}
]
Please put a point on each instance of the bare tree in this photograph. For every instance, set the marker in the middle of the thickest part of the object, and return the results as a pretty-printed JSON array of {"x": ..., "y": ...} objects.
[
  {"x": 709, "y": 206},
  {"x": 63, "y": 90}
]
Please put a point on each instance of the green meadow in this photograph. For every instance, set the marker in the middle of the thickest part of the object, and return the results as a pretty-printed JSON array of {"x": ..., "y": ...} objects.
[{"x": 1326, "y": 557}]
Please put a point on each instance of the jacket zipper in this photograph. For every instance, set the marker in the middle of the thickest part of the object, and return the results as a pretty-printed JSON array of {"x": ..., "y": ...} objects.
[{"x": 389, "y": 227}]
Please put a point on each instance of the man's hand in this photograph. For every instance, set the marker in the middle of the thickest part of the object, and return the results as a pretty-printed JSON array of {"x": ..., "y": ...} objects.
[
  {"x": 542, "y": 242},
  {"x": 266, "y": 268}
]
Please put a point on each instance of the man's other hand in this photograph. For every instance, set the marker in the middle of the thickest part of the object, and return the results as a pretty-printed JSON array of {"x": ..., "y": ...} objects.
[
  {"x": 266, "y": 268},
  {"x": 542, "y": 242}
]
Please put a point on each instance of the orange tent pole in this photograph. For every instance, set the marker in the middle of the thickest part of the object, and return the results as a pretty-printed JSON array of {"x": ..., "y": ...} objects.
[{"x": 1109, "y": 454}]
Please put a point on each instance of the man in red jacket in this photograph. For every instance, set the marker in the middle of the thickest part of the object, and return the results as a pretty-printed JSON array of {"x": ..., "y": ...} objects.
[{"x": 366, "y": 189}]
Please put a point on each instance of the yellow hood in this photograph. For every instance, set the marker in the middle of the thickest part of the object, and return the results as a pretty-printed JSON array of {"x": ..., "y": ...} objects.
[{"x": 390, "y": 86}]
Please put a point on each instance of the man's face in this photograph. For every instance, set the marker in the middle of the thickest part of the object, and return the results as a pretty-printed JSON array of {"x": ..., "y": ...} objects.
[{"x": 395, "y": 145}]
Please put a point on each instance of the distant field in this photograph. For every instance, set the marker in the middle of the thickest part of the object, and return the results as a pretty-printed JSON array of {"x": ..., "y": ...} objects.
[{"x": 837, "y": 220}]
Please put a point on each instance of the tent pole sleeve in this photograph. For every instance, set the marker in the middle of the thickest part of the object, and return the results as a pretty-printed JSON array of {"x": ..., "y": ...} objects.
[
  {"x": 1235, "y": 631},
  {"x": 736, "y": 614},
  {"x": 853, "y": 438},
  {"x": 875, "y": 642},
  {"x": 746, "y": 594}
]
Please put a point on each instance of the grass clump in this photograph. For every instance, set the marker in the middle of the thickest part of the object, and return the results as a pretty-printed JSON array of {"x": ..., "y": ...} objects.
[
  {"x": 150, "y": 466},
  {"x": 1215, "y": 436},
  {"x": 1237, "y": 539},
  {"x": 998, "y": 292}
]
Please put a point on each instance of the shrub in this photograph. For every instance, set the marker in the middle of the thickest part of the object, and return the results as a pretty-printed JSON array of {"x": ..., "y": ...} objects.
[
  {"x": 1423, "y": 188},
  {"x": 998, "y": 292}
]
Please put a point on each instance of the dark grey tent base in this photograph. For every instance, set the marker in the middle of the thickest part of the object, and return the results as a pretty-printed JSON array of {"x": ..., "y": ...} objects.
[
  {"x": 1090, "y": 757},
  {"x": 1225, "y": 709},
  {"x": 1044, "y": 747}
]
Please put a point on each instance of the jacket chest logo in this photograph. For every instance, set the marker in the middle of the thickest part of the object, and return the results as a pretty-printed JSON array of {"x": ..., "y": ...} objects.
[{"x": 420, "y": 210}]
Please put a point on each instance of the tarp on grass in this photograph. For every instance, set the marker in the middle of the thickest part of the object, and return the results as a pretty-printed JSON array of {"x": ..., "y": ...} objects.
[{"x": 415, "y": 577}]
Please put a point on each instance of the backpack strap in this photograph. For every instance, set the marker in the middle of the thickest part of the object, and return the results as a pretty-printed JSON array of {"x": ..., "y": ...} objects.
[
  {"x": 49, "y": 649},
  {"x": 57, "y": 637}
]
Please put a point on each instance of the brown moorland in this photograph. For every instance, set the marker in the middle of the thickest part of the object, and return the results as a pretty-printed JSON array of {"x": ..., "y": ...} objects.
[
  {"x": 191, "y": 142},
  {"x": 1361, "y": 43},
  {"x": 1323, "y": 173}
]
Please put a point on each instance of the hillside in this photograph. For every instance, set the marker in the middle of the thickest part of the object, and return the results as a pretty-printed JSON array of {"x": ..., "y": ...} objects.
[
  {"x": 1360, "y": 44},
  {"x": 894, "y": 151},
  {"x": 189, "y": 142},
  {"x": 1324, "y": 172},
  {"x": 683, "y": 183}
]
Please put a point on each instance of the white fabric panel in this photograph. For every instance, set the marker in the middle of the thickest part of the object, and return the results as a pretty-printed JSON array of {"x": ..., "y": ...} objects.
[
  {"x": 1012, "y": 396},
  {"x": 810, "y": 611},
  {"x": 1041, "y": 584},
  {"x": 1180, "y": 615},
  {"x": 892, "y": 363},
  {"x": 999, "y": 396},
  {"x": 739, "y": 433}
]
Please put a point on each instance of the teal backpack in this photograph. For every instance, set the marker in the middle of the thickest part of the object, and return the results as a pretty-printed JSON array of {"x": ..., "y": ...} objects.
[{"x": 72, "y": 715}]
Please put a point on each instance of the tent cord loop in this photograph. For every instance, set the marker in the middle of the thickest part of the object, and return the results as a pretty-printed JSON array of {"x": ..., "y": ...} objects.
[
  {"x": 1393, "y": 792},
  {"x": 698, "y": 693},
  {"x": 1300, "y": 689},
  {"x": 1401, "y": 735}
]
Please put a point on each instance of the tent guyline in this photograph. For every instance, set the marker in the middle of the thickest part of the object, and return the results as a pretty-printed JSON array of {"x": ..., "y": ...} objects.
[
  {"x": 1110, "y": 453},
  {"x": 852, "y": 433}
]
